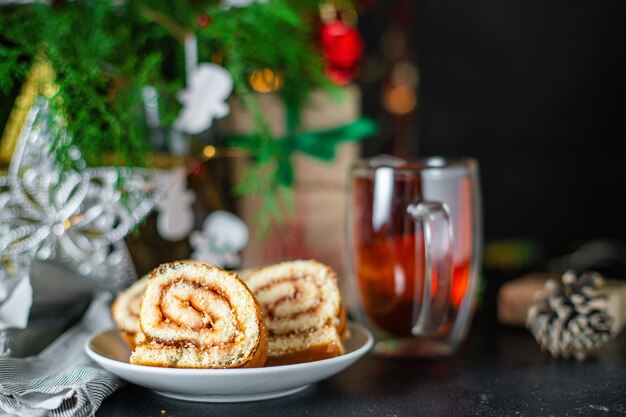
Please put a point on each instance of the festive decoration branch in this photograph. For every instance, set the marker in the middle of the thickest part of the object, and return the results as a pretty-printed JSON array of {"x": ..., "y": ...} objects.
[{"x": 106, "y": 53}]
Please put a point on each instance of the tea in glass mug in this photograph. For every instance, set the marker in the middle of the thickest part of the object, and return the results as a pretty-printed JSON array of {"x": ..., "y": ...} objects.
[{"x": 414, "y": 239}]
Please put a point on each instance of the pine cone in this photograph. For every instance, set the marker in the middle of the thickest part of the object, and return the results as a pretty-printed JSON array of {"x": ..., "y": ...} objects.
[{"x": 570, "y": 319}]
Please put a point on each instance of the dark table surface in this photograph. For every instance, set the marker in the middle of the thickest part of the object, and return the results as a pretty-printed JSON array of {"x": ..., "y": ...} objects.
[{"x": 499, "y": 371}]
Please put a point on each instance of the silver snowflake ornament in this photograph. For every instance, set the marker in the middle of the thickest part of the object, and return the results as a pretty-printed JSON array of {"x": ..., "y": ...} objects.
[{"x": 76, "y": 217}]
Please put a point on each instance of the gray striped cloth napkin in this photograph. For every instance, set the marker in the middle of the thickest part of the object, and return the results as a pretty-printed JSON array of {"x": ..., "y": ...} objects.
[{"x": 60, "y": 381}]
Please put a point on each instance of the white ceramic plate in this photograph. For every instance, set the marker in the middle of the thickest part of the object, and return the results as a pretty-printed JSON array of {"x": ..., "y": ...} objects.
[{"x": 224, "y": 385}]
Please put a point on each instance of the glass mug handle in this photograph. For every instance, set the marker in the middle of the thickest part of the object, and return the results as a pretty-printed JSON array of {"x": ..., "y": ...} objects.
[{"x": 437, "y": 266}]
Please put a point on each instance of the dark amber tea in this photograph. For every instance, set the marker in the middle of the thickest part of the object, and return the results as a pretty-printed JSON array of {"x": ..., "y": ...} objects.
[{"x": 387, "y": 246}]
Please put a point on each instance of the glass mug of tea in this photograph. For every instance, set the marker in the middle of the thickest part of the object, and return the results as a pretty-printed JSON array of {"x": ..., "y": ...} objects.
[{"x": 414, "y": 241}]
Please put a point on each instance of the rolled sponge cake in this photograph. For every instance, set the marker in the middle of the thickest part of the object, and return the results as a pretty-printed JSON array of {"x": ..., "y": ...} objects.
[
  {"x": 197, "y": 315},
  {"x": 302, "y": 308},
  {"x": 125, "y": 311}
]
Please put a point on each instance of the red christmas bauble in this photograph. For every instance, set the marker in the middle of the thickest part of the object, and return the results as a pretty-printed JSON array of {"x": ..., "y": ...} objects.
[
  {"x": 203, "y": 20},
  {"x": 342, "y": 47},
  {"x": 341, "y": 76}
]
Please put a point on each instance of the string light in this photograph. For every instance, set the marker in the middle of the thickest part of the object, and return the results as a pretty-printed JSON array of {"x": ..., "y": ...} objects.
[
  {"x": 265, "y": 80},
  {"x": 209, "y": 151},
  {"x": 400, "y": 97}
]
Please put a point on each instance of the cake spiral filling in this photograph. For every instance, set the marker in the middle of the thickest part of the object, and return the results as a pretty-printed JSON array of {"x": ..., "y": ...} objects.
[
  {"x": 291, "y": 304},
  {"x": 196, "y": 314}
]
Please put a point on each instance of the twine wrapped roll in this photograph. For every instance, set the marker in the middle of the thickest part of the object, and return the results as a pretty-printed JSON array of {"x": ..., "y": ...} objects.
[{"x": 198, "y": 316}]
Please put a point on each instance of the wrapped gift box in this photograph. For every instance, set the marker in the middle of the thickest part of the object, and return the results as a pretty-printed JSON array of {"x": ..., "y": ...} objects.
[{"x": 317, "y": 227}]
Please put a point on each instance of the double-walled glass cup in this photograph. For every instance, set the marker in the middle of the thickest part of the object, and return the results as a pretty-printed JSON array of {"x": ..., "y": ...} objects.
[{"x": 414, "y": 241}]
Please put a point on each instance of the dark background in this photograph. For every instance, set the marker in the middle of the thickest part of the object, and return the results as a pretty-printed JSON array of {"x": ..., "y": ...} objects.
[{"x": 536, "y": 92}]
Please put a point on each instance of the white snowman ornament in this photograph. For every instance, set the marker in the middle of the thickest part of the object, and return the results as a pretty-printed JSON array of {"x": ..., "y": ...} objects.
[{"x": 222, "y": 237}]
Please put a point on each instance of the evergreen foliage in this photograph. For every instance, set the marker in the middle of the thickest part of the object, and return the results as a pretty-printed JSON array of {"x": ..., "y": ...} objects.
[{"x": 104, "y": 52}]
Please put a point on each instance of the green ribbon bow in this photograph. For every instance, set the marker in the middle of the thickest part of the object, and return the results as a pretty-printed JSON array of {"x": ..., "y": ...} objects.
[{"x": 319, "y": 144}]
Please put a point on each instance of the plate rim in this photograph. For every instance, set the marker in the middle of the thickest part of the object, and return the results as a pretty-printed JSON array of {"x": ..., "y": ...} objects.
[
  {"x": 357, "y": 353},
  {"x": 236, "y": 398}
]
